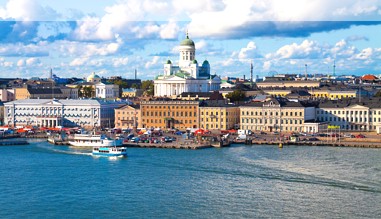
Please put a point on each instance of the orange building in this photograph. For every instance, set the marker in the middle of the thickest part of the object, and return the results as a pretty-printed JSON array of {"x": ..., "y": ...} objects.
[
  {"x": 176, "y": 114},
  {"x": 127, "y": 117}
]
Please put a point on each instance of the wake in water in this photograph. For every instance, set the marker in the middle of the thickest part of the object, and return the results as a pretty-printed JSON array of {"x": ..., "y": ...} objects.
[{"x": 61, "y": 151}]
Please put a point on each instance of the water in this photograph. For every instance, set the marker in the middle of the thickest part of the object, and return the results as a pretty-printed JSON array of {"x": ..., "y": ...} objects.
[{"x": 46, "y": 181}]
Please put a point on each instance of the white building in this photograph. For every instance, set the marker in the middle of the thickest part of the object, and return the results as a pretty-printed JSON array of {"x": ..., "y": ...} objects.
[
  {"x": 108, "y": 91},
  {"x": 188, "y": 76},
  {"x": 69, "y": 113}
]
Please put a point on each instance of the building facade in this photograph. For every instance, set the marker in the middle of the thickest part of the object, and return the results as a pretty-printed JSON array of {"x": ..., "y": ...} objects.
[
  {"x": 275, "y": 115},
  {"x": 106, "y": 90},
  {"x": 170, "y": 114},
  {"x": 223, "y": 117},
  {"x": 128, "y": 117},
  {"x": 68, "y": 113},
  {"x": 350, "y": 114},
  {"x": 187, "y": 76}
]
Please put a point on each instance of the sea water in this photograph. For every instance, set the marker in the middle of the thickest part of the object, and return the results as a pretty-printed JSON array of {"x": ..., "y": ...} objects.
[{"x": 45, "y": 181}]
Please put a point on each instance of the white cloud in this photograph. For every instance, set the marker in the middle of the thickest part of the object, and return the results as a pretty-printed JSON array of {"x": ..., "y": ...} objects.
[
  {"x": 21, "y": 63},
  {"x": 27, "y": 10},
  {"x": 307, "y": 49},
  {"x": 120, "y": 61},
  {"x": 32, "y": 61},
  {"x": 79, "y": 61},
  {"x": 249, "y": 52},
  {"x": 153, "y": 62}
]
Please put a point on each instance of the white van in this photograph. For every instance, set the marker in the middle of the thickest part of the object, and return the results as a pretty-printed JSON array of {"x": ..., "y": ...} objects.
[{"x": 244, "y": 132}]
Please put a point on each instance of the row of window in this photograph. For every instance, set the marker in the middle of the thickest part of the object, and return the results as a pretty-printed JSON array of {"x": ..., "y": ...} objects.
[
  {"x": 272, "y": 121},
  {"x": 339, "y": 112},
  {"x": 348, "y": 119},
  {"x": 160, "y": 121},
  {"x": 169, "y": 114},
  {"x": 169, "y": 107},
  {"x": 256, "y": 113}
]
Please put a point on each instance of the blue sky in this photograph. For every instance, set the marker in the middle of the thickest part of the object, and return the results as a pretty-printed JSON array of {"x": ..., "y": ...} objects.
[{"x": 110, "y": 38}]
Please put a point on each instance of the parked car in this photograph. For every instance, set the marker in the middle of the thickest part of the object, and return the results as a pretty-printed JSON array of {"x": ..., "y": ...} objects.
[
  {"x": 349, "y": 136},
  {"x": 313, "y": 139},
  {"x": 135, "y": 139},
  {"x": 263, "y": 133},
  {"x": 360, "y": 136}
]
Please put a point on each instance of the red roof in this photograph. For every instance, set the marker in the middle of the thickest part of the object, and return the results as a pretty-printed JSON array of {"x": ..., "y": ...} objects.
[{"x": 369, "y": 78}]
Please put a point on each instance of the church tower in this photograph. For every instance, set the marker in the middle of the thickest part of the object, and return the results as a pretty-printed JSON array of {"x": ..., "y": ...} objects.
[{"x": 187, "y": 52}]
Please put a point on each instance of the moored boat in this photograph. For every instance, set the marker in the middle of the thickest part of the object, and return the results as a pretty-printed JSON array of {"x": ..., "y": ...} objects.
[
  {"x": 110, "y": 151},
  {"x": 88, "y": 140}
]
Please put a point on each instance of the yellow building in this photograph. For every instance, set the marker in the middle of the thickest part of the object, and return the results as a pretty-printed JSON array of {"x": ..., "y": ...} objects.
[
  {"x": 221, "y": 117},
  {"x": 278, "y": 92},
  {"x": 275, "y": 115},
  {"x": 21, "y": 93},
  {"x": 127, "y": 117},
  {"x": 333, "y": 94},
  {"x": 131, "y": 92},
  {"x": 175, "y": 114}
]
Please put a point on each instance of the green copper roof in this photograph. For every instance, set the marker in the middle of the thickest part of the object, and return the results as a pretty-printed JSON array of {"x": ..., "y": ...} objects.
[
  {"x": 205, "y": 62},
  {"x": 187, "y": 42},
  {"x": 182, "y": 74},
  {"x": 194, "y": 61},
  {"x": 168, "y": 62}
]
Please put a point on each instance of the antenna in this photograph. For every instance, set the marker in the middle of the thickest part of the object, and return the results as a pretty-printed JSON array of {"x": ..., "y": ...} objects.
[
  {"x": 306, "y": 71},
  {"x": 135, "y": 73},
  {"x": 251, "y": 73},
  {"x": 334, "y": 67}
]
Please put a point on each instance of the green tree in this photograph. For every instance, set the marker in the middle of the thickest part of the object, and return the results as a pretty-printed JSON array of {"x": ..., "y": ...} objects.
[
  {"x": 148, "y": 87},
  {"x": 237, "y": 95},
  {"x": 88, "y": 92}
]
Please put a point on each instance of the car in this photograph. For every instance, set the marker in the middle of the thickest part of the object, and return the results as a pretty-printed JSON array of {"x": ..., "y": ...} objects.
[
  {"x": 313, "y": 139},
  {"x": 276, "y": 133},
  {"x": 135, "y": 139},
  {"x": 360, "y": 136},
  {"x": 349, "y": 136},
  {"x": 263, "y": 133}
]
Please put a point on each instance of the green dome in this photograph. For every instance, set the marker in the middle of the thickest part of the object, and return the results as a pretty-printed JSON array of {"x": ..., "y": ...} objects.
[
  {"x": 168, "y": 62},
  {"x": 205, "y": 63},
  {"x": 194, "y": 61},
  {"x": 187, "y": 42}
]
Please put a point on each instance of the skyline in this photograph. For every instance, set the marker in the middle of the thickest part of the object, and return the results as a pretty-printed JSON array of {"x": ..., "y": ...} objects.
[{"x": 115, "y": 38}]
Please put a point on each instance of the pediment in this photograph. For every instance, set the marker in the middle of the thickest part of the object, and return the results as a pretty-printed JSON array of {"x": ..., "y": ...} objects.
[{"x": 357, "y": 106}]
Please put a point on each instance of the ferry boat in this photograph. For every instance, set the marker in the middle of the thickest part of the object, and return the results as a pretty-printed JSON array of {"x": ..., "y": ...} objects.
[
  {"x": 88, "y": 140},
  {"x": 110, "y": 151}
]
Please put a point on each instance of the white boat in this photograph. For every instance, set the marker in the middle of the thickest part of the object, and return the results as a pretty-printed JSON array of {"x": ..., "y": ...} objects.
[
  {"x": 110, "y": 151},
  {"x": 88, "y": 140}
]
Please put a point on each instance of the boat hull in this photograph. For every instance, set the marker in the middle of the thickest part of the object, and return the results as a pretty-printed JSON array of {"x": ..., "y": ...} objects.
[
  {"x": 110, "y": 151},
  {"x": 94, "y": 141}
]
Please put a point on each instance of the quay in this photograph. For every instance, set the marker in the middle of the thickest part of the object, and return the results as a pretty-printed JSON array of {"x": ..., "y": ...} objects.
[
  {"x": 174, "y": 145},
  {"x": 7, "y": 143},
  {"x": 361, "y": 144}
]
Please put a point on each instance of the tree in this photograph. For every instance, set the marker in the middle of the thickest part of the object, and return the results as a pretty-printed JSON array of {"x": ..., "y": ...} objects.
[
  {"x": 88, "y": 92},
  {"x": 237, "y": 95},
  {"x": 148, "y": 87}
]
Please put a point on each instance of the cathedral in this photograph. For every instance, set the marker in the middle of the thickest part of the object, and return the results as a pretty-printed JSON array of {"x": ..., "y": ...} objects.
[{"x": 187, "y": 76}]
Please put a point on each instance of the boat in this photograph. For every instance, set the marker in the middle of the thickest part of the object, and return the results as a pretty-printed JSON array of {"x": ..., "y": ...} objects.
[
  {"x": 89, "y": 140},
  {"x": 110, "y": 151}
]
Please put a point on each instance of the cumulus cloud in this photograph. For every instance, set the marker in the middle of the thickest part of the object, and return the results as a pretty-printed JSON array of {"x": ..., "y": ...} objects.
[
  {"x": 249, "y": 52},
  {"x": 153, "y": 62},
  {"x": 27, "y": 10}
]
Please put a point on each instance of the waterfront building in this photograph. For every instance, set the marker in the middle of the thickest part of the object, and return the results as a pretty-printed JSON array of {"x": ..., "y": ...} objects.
[
  {"x": 219, "y": 116},
  {"x": 187, "y": 76},
  {"x": 276, "y": 114},
  {"x": 351, "y": 114},
  {"x": 41, "y": 92},
  {"x": 128, "y": 117},
  {"x": 87, "y": 113},
  {"x": 169, "y": 114}
]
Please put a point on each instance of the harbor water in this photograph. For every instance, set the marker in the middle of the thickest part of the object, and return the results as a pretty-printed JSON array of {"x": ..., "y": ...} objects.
[{"x": 45, "y": 181}]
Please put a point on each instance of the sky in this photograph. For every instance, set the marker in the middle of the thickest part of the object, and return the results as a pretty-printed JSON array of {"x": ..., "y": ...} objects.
[{"x": 115, "y": 37}]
